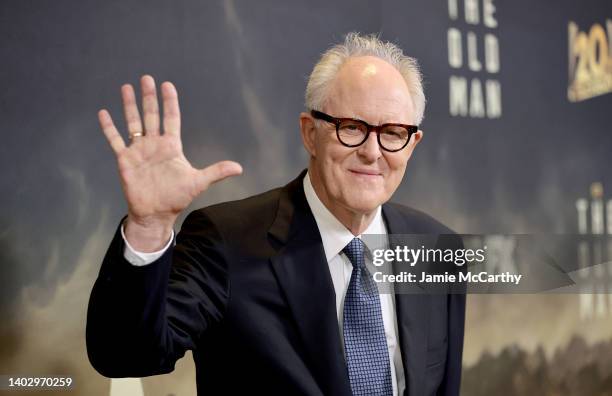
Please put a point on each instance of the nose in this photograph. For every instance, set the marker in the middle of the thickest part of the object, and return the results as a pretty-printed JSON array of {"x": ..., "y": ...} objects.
[{"x": 370, "y": 151}]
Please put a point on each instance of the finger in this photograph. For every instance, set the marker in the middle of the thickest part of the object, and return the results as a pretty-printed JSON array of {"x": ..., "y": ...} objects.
[
  {"x": 130, "y": 109},
  {"x": 112, "y": 135},
  {"x": 172, "y": 112},
  {"x": 217, "y": 172},
  {"x": 150, "y": 108}
]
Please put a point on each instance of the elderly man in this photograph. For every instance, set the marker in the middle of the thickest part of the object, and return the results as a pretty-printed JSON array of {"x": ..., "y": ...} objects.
[{"x": 269, "y": 292}]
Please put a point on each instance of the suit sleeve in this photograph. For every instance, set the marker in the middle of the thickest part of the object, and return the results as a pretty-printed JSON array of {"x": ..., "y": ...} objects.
[
  {"x": 451, "y": 384},
  {"x": 141, "y": 320}
]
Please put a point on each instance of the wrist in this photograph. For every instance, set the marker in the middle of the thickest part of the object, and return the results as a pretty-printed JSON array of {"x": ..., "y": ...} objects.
[{"x": 148, "y": 236}]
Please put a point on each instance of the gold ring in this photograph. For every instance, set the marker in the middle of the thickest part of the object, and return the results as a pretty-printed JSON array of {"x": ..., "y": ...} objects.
[{"x": 136, "y": 134}]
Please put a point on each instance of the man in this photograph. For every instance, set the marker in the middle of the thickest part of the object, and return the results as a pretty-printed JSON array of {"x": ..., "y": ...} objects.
[{"x": 270, "y": 292}]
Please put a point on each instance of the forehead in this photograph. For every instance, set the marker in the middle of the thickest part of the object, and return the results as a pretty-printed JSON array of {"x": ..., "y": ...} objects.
[{"x": 369, "y": 88}]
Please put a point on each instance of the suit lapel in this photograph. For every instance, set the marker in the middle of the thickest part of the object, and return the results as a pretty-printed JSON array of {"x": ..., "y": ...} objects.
[
  {"x": 412, "y": 316},
  {"x": 303, "y": 274}
]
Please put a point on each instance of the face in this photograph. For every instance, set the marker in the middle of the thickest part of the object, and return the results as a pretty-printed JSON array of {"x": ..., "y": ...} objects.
[{"x": 359, "y": 179}]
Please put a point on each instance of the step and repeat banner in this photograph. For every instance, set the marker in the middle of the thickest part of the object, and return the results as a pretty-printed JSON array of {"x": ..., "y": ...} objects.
[{"x": 517, "y": 140}]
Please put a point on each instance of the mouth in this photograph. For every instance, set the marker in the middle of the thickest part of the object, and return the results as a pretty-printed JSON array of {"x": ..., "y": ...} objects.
[{"x": 365, "y": 172}]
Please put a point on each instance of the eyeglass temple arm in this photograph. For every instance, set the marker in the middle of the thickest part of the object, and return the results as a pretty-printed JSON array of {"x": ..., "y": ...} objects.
[{"x": 323, "y": 116}]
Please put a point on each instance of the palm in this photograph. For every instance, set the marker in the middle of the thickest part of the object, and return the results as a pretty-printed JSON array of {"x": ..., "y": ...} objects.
[
  {"x": 157, "y": 180},
  {"x": 156, "y": 177}
]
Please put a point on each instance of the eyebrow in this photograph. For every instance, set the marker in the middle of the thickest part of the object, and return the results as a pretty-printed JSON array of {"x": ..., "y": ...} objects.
[{"x": 359, "y": 117}]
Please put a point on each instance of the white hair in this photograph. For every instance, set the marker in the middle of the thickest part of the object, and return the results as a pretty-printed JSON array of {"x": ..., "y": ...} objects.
[{"x": 355, "y": 44}]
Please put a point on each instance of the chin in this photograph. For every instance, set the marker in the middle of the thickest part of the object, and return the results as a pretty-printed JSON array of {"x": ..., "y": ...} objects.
[{"x": 363, "y": 202}]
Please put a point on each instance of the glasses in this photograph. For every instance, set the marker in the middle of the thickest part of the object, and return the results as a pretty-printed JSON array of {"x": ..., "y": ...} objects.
[{"x": 353, "y": 133}]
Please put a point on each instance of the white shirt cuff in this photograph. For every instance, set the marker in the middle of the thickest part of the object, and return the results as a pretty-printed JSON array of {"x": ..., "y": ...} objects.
[{"x": 140, "y": 259}]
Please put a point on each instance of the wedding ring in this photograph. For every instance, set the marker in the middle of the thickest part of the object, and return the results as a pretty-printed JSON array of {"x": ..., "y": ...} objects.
[{"x": 136, "y": 134}]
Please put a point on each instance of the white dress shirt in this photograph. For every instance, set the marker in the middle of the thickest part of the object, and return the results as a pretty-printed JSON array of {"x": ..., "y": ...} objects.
[{"x": 335, "y": 237}]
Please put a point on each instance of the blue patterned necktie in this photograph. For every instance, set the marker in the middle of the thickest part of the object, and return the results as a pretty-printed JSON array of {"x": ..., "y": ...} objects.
[{"x": 365, "y": 344}]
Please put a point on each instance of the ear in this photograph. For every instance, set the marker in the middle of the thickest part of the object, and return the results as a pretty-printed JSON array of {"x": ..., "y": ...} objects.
[
  {"x": 414, "y": 140},
  {"x": 417, "y": 137},
  {"x": 308, "y": 131}
]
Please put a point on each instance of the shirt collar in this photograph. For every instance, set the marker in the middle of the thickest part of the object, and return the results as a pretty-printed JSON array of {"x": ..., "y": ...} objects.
[{"x": 335, "y": 235}]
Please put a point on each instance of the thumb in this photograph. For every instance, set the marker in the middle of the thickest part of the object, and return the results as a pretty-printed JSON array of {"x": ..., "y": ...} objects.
[{"x": 216, "y": 172}]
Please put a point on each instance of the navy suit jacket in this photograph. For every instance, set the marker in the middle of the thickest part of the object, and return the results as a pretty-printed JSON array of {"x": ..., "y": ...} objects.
[{"x": 247, "y": 288}]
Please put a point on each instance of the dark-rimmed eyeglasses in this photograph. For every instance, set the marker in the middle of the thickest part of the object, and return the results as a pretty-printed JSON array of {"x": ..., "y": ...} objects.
[{"x": 352, "y": 132}]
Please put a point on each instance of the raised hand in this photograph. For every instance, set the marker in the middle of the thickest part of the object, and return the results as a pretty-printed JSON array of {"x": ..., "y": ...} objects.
[{"x": 157, "y": 180}]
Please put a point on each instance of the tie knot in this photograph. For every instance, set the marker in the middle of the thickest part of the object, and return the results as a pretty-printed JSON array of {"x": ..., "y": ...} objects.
[{"x": 354, "y": 251}]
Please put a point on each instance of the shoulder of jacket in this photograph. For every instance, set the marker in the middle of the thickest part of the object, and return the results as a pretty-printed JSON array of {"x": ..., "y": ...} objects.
[
  {"x": 420, "y": 220},
  {"x": 243, "y": 213}
]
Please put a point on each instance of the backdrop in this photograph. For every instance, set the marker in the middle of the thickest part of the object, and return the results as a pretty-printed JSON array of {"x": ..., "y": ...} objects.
[{"x": 517, "y": 139}]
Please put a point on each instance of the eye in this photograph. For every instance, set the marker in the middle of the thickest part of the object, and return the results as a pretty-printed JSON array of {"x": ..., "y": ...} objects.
[
  {"x": 394, "y": 133},
  {"x": 350, "y": 127}
]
